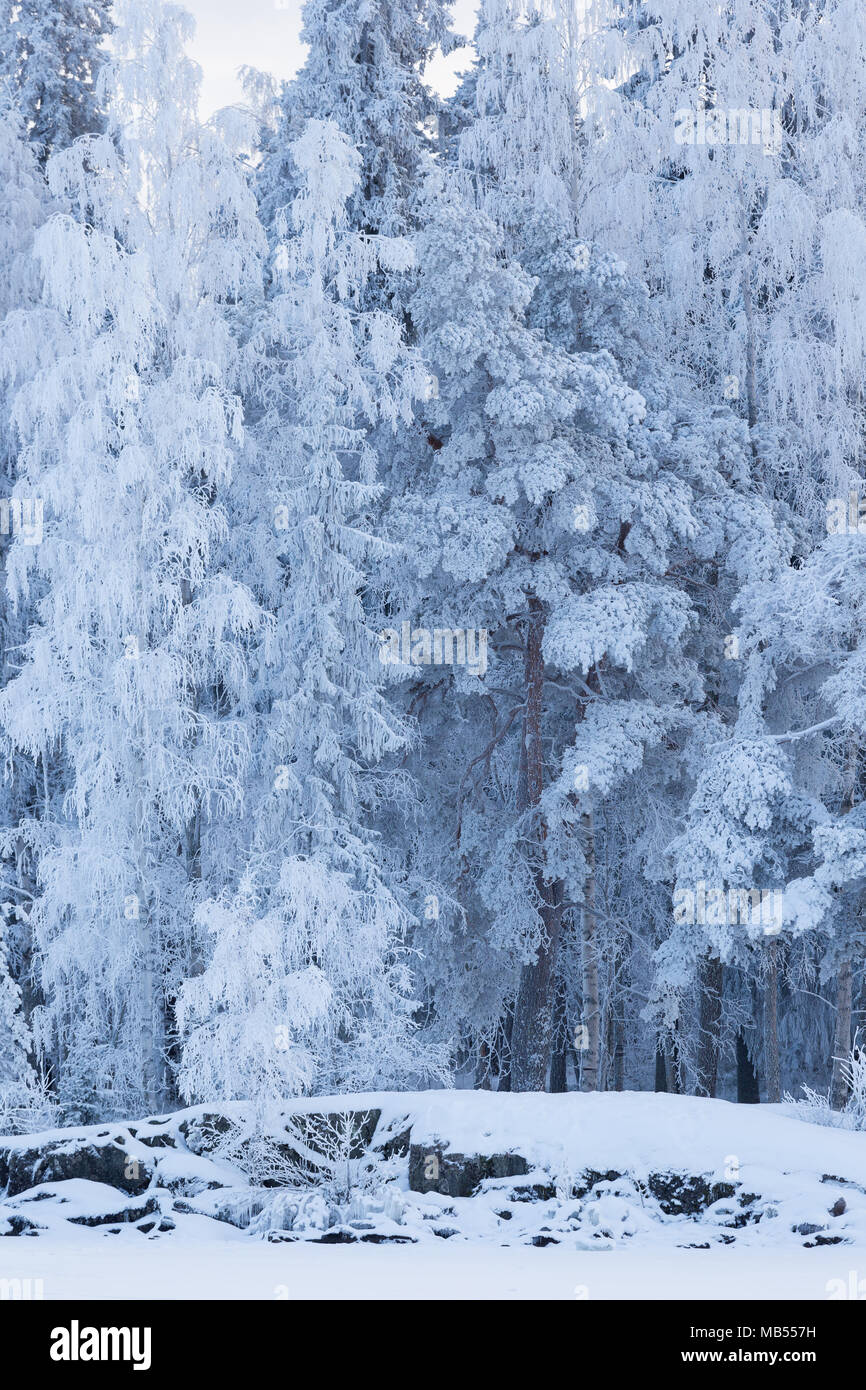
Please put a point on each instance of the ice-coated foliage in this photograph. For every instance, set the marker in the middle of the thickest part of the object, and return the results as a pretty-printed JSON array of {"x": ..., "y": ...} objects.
[
  {"x": 309, "y": 985},
  {"x": 50, "y": 55},
  {"x": 432, "y": 551},
  {"x": 132, "y": 670}
]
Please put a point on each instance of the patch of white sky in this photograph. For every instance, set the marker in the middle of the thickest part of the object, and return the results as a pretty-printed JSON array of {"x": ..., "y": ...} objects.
[{"x": 265, "y": 34}]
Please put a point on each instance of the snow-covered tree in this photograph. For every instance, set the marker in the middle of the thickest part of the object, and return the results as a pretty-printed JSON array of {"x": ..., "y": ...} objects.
[
  {"x": 564, "y": 483},
  {"x": 23, "y": 1100},
  {"x": 25, "y": 207},
  {"x": 133, "y": 670},
  {"x": 364, "y": 71},
  {"x": 307, "y": 984},
  {"x": 729, "y": 136},
  {"x": 51, "y": 52}
]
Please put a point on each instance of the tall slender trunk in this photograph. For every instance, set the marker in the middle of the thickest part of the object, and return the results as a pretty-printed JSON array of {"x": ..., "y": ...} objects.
[
  {"x": 673, "y": 1073},
  {"x": 151, "y": 1013},
  {"x": 591, "y": 1019},
  {"x": 842, "y": 1034},
  {"x": 154, "y": 1029},
  {"x": 532, "y": 1030},
  {"x": 503, "y": 1051},
  {"x": 482, "y": 1068},
  {"x": 559, "y": 1057},
  {"x": 751, "y": 352},
  {"x": 771, "y": 1023},
  {"x": 618, "y": 1054},
  {"x": 661, "y": 1079},
  {"x": 710, "y": 980},
  {"x": 842, "y": 1037},
  {"x": 748, "y": 1091}
]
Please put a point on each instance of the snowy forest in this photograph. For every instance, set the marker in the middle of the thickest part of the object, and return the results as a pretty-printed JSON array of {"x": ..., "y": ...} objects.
[{"x": 433, "y": 643}]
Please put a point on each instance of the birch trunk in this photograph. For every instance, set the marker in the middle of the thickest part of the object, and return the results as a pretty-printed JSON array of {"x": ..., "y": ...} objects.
[
  {"x": 842, "y": 1038},
  {"x": 591, "y": 1018},
  {"x": 771, "y": 1023},
  {"x": 710, "y": 1017}
]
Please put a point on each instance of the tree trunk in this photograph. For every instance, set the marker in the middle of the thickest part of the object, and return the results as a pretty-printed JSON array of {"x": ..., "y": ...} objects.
[
  {"x": 673, "y": 1073},
  {"x": 751, "y": 354},
  {"x": 503, "y": 1052},
  {"x": 591, "y": 1017},
  {"x": 748, "y": 1092},
  {"x": 151, "y": 1015},
  {"x": 771, "y": 1023},
  {"x": 842, "y": 1038},
  {"x": 559, "y": 1059},
  {"x": 532, "y": 1031},
  {"x": 661, "y": 1080},
  {"x": 482, "y": 1068},
  {"x": 710, "y": 979},
  {"x": 618, "y": 1054}
]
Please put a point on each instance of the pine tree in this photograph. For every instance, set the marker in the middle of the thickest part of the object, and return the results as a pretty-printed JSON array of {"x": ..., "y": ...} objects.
[
  {"x": 51, "y": 54},
  {"x": 561, "y": 489},
  {"x": 364, "y": 71}
]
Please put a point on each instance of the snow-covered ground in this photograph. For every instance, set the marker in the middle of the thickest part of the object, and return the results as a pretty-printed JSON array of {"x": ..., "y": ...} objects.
[
  {"x": 628, "y": 1196},
  {"x": 226, "y": 1264}
]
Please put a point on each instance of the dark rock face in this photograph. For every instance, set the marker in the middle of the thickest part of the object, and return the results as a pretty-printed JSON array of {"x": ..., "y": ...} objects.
[
  {"x": 55, "y": 1162},
  {"x": 131, "y": 1213},
  {"x": 397, "y": 1145},
  {"x": 317, "y": 1132},
  {"x": 344, "y": 1237},
  {"x": 203, "y": 1133},
  {"x": 588, "y": 1179},
  {"x": 678, "y": 1194},
  {"x": 435, "y": 1169},
  {"x": 534, "y": 1192},
  {"x": 155, "y": 1134}
]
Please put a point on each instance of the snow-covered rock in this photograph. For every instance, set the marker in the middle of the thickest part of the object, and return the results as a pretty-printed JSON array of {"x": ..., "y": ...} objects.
[{"x": 592, "y": 1171}]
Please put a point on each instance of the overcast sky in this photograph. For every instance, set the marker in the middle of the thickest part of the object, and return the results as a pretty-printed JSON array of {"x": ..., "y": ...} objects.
[{"x": 264, "y": 34}]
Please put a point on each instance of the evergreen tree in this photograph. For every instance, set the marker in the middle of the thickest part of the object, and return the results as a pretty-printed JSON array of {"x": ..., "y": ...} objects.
[{"x": 52, "y": 51}]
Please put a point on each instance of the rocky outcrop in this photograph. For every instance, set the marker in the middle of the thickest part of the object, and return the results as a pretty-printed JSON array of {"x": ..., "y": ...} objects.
[
  {"x": 679, "y": 1194},
  {"x": 361, "y": 1173},
  {"x": 433, "y": 1168},
  {"x": 106, "y": 1160}
]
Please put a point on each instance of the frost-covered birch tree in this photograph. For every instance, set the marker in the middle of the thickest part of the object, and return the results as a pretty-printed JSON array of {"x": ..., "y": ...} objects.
[{"x": 133, "y": 669}]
